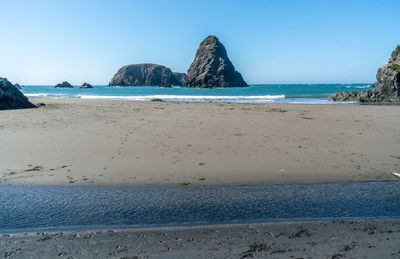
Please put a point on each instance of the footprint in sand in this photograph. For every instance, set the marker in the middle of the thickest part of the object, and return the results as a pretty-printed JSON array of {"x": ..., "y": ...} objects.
[
  {"x": 36, "y": 168},
  {"x": 71, "y": 179}
]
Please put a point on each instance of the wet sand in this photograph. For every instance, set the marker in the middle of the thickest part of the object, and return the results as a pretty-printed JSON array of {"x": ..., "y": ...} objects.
[
  {"x": 94, "y": 142},
  {"x": 313, "y": 239}
]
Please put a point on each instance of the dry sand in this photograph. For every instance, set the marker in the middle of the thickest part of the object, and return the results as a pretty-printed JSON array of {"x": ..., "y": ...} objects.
[
  {"x": 317, "y": 239},
  {"x": 92, "y": 142}
]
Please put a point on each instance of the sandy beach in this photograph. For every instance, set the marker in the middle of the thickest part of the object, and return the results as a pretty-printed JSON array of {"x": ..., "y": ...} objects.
[
  {"x": 312, "y": 239},
  {"x": 199, "y": 129},
  {"x": 95, "y": 142},
  {"x": 124, "y": 143}
]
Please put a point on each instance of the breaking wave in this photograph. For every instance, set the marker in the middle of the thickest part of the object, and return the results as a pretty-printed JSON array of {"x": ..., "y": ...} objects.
[{"x": 199, "y": 98}]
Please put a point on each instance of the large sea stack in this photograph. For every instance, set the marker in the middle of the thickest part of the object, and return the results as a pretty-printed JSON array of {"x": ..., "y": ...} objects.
[
  {"x": 144, "y": 75},
  {"x": 212, "y": 68},
  {"x": 11, "y": 97},
  {"x": 386, "y": 89}
]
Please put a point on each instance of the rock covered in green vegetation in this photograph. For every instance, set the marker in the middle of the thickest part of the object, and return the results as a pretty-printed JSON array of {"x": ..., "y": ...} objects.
[
  {"x": 11, "y": 97},
  {"x": 395, "y": 54},
  {"x": 144, "y": 75},
  {"x": 386, "y": 89},
  {"x": 212, "y": 68}
]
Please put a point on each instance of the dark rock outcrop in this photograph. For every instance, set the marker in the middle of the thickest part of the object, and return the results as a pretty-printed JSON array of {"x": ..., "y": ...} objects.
[
  {"x": 143, "y": 75},
  {"x": 86, "y": 85},
  {"x": 181, "y": 77},
  {"x": 386, "y": 89},
  {"x": 11, "y": 97},
  {"x": 212, "y": 68},
  {"x": 64, "y": 84},
  {"x": 18, "y": 86},
  {"x": 165, "y": 85}
]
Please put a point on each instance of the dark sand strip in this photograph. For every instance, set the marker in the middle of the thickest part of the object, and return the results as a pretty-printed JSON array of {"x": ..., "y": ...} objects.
[{"x": 378, "y": 238}]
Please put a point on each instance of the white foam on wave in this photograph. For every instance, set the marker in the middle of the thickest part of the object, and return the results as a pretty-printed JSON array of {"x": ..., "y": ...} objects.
[
  {"x": 36, "y": 95},
  {"x": 183, "y": 97},
  {"x": 358, "y": 86},
  {"x": 320, "y": 102},
  {"x": 45, "y": 95}
]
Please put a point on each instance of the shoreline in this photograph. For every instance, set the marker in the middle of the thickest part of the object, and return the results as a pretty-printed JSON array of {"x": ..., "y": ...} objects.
[
  {"x": 189, "y": 186},
  {"x": 185, "y": 225},
  {"x": 269, "y": 93},
  {"x": 370, "y": 238},
  {"x": 134, "y": 143}
]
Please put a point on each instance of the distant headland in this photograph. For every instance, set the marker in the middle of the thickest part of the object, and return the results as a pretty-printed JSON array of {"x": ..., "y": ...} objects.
[{"x": 386, "y": 89}]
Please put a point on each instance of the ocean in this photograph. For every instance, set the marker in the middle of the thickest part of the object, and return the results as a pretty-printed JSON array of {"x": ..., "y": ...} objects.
[{"x": 266, "y": 93}]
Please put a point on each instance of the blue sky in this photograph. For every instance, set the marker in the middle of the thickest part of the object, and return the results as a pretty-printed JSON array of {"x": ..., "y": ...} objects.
[{"x": 268, "y": 41}]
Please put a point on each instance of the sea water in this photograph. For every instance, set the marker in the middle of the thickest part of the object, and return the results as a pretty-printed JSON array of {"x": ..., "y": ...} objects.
[
  {"x": 272, "y": 93},
  {"x": 23, "y": 207}
]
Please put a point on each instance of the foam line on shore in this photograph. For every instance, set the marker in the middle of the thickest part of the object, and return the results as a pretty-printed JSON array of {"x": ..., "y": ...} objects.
[{"x": 182, "y": 97}]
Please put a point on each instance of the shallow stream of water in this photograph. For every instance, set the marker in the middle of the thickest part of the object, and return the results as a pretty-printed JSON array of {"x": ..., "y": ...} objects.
[{"x": 23, "y": 208}]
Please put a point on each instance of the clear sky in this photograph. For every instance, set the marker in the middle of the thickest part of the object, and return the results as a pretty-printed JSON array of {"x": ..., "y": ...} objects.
[{"x": 268, "y": 41}]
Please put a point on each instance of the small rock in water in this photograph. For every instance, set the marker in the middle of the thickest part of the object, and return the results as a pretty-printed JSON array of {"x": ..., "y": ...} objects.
[
  {"x": 64, "y": 84},
  {"x": 165, "y": 85},
  {"x": 156, "y": 100},
  {"x": 86, "y": 85}
]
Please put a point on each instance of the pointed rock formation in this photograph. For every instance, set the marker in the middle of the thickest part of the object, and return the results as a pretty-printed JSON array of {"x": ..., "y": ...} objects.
[
  {"x": 212, "y": 68},
  {"x": 386, "y": 89},
  {"x": 144, "y": 75},
  {"x": 64, "y": 84},
  {"x": 11, "y": 97}
]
